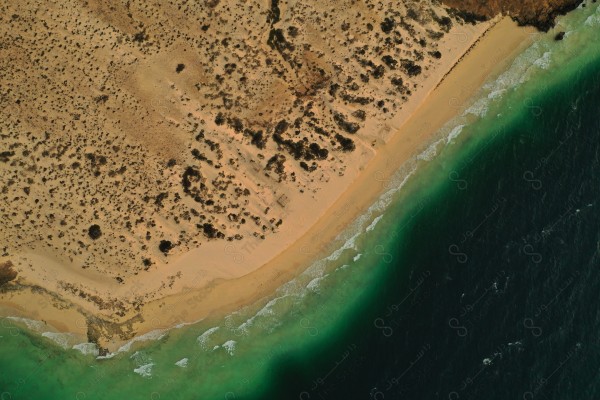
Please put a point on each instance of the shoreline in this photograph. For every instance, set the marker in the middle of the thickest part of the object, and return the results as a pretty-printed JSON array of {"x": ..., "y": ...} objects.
[{"x": 457, "y": 86}]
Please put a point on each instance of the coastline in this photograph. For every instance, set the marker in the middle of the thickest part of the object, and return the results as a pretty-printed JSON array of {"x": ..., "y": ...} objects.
[{"x": 487, "y": 57}]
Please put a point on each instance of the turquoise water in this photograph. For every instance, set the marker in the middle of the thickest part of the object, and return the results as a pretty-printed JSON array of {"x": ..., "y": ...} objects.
[{"x": 412, "y": 304}]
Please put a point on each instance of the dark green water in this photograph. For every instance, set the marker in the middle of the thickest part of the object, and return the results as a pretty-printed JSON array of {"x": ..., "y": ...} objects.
[
  {"x": 482, "y": 279},
  {"x": 496, "y": 291}
]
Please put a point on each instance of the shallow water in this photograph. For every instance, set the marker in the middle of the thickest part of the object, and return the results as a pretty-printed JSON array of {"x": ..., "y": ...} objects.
[{"x": 479, "y": 281}]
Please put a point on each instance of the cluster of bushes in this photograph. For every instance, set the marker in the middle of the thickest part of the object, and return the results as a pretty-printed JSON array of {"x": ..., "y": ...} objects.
[
  {"x": 257, "y": 138},
  {"x": 346, "y": 125},
  {"x": 278, "y": 42},
  {"x": 200, "y": 157},
  {"x": 444, "y": 22},
  {"x": 190, "y": 176},
  {"x": 165, "y": 246},
  {"x": 274, "y": 12},
  {"x": 347, "y": 144},
  {"x": 388, "y": 25},
  {"x": 95, "y": 232},
  {"x": 6, "y": 155},
  {"x": 308, "y": 168},
  {"x": 390, "y": 61},
  {"x": 411, "y": 68},
  {"x": 210, "y": 231},
  {"x": 277, "y": 163},
  {"x": 356, "y": 99},
  {"x": 301, "y": 149}
]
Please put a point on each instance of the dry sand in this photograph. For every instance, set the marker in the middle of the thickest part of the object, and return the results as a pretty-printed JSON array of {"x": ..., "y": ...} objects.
[
  {"x": 224, "y": 128},
  {"x": 491, "y": 54},
  {"x": 219, "y": 277}
]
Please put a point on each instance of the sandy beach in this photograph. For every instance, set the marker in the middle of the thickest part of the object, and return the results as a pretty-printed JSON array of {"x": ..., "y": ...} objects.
[
  {"x": 219, "y": 277},
  {"x": 488, "y": 56}
]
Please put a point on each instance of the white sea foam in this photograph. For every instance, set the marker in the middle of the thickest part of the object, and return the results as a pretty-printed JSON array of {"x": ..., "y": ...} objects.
[
  {"x": 544, "y": 61},
  {"x": 429, "y": 153},
  {"x": 152, "y": 335},
  {"x": 361, "y": 224},
  {"x": 315, "y": 283},
  {"x": 203, "y": 339},
  {"x": 454, "y": 133},
  {"x": 86, "y": 348},
  {"x": 140, "y": 358},
  {"x": 183, "y": 363},
  {"x": 479, "y": 108},
  {"x": 357, "y": 257},
  {"x": 106, "y": 357},
  {"x": 62, "y": 339},
  {"x": 32, "y": 324},
  {"x": 350, "y": 236},
  {"x": 297, "y": 287},
  {"x": 265, "y": 311},
  {"x": 357, "y": 226},
  {"x": 350, "y": 243},
  {"x": 592, "y": 20},
  {"x": 496, "y": 94},
  {"x": 373, "y": 224},
  {"x": 537, "y": 56},
  {"x": 144, "y": 370},
  {"x": 184, "y": 324},
  {"x": 229, "y": 346}
]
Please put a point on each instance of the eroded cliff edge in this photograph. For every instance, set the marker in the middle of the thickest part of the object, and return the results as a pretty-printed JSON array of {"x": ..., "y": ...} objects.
[{"x": 538, "y": 13}]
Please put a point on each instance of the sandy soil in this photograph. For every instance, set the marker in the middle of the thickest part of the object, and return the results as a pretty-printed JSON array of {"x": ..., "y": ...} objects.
[{"x": 205, "y": 278}]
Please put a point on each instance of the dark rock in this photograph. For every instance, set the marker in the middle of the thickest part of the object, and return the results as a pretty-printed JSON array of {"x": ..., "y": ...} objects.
[
  {"x": 7, "y": 273},
  {"x": 538, "y": 13}
]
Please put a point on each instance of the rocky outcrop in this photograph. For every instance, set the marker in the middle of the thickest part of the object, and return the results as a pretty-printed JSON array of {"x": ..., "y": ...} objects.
[
  {"x": 7, "y": 273},
  {"x": 538, "y": 13}
]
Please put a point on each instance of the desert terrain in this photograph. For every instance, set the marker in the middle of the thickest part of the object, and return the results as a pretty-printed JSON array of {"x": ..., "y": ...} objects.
[{"x": 153, "y": 148}]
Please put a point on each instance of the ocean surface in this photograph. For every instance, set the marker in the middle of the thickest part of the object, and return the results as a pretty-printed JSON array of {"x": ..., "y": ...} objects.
[{"x": 475, "y": 276}]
